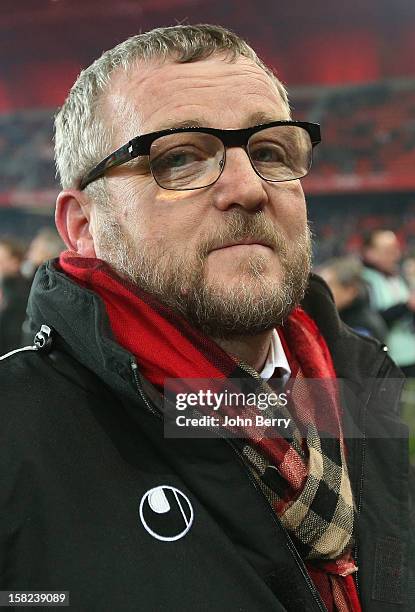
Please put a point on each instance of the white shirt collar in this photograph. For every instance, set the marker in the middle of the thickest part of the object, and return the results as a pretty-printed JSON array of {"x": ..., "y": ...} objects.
[{"x": 276, "y": 358}]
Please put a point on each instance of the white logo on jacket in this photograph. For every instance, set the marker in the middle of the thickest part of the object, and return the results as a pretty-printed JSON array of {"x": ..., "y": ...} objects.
[{"x": 166, "y": 513}]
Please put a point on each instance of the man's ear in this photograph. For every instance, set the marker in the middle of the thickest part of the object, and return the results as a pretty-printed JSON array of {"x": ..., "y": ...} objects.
[{"x": 73, "y": 220}]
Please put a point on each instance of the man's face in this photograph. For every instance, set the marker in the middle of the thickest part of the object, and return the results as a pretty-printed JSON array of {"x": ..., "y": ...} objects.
[
  {"x": 232, "y": 257},
  {"x": 385, "y": 252}
]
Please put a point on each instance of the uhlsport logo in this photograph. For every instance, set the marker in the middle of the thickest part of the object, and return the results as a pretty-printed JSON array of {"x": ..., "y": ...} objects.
[{"x": 166, "y": 513}]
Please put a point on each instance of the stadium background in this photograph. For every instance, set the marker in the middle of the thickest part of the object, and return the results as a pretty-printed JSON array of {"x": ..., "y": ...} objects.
[{"x": 350, "y": 67}]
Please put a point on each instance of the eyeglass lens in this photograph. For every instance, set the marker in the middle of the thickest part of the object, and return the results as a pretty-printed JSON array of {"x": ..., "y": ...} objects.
[{"x": 191, "y": 160}]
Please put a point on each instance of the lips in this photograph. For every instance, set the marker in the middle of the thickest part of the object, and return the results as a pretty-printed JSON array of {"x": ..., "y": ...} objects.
[{"x": 246, "y": 241}]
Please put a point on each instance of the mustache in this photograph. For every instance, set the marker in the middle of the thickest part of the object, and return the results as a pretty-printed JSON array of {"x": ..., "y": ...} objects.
[{"x": 239, "y": 226}]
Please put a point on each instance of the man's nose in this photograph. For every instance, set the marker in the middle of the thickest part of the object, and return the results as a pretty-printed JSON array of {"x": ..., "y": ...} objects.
[{"x": 239, "y": 184}]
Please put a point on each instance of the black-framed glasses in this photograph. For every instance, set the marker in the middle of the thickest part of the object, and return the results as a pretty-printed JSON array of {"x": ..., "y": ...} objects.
[{"x": 181, "y": 159}]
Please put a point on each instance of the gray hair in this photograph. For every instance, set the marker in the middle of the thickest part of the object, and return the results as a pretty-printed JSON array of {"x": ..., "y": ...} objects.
[
  {"x": 82, "y": 139},
  {"x": 347, "y": 270}
]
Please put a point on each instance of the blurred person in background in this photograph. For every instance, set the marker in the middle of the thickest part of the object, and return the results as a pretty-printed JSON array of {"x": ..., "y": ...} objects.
[
  {"x": 14, "y": 292},
  {"x": 390, "y": 295},
  {"x": 47, "y": 244},
  {"x": 344, "y": 277},
  {"x": 408, "y": 271}
]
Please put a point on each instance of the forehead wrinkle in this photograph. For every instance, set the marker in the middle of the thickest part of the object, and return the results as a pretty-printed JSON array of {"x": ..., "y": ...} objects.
[
  {"x": 258, "y": 114},
  {"x": 123, "y": 105},
  {"x": 150, "y": 77},
  {"x": 217, "y": 81},
  {"x": 141, "y": 74}
]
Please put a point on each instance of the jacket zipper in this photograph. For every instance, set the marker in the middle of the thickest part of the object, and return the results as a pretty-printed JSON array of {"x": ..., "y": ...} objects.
[
  {"x": 362, "y": 473},
  {"x": 241, "y": 460},
  {"x": 280, "y": 526},
  {"x": 137, "y": 383}
]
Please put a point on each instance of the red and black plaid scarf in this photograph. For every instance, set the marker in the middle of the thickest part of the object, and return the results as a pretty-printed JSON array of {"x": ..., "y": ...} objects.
[{"x": 303, "y": 475}]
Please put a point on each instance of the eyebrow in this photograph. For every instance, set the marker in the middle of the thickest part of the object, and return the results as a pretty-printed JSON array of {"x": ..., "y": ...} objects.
[
  {"x": 260, "y": 117},
  {"x": 256, "y": 118},
  {"x": 186, "y": 123}
]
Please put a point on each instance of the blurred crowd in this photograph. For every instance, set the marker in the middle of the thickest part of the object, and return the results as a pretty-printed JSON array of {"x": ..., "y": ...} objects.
[
  {"x": 370, "y": 129},
  {"x": 340, "y": 226},
  {"x": 18, "y": 265},
  {"x": 375, "y": 294},
  {"x": 26, "y": 151}
]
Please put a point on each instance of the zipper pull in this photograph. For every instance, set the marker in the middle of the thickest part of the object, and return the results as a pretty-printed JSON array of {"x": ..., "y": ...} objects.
[
  {"x": 43, "y": 339},
  {"x": 134, "y": 369}
]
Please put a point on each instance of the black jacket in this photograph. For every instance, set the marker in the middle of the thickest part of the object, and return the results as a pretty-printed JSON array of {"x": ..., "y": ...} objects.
[
  {"x": 81, "y": 445},
  {"x": 363, "y": 319}
]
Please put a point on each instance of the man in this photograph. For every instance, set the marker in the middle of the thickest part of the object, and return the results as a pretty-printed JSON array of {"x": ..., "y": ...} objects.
[
  {"x": 14, "y": 291},
  {"x": 344, "y": 277},
  {"x": 390, "y": 296},
  {"x": 188, "y": 256}
]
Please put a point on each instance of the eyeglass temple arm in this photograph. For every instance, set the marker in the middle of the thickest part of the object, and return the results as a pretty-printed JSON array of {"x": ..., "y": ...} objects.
[
  {"x": 120, "y": 156},
  {"x": 314, "y": 133}
]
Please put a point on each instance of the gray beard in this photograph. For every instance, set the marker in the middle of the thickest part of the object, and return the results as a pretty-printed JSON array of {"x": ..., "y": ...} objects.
[{"x": 254, "y": 306}]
